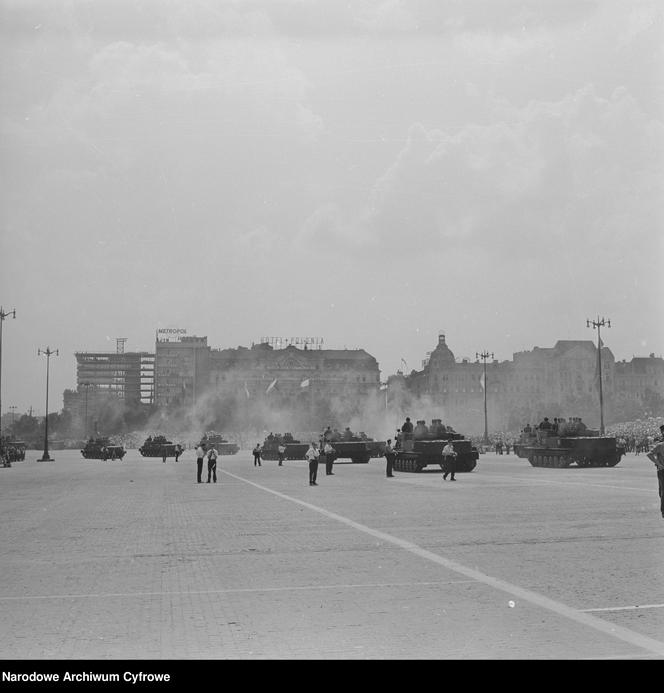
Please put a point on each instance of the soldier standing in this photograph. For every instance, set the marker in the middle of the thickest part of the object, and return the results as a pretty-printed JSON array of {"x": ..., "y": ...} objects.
[
  {"x": 329, "y": 451},
  {"x": 656, "y": 455},
  {"x": 390, "y": 456}
]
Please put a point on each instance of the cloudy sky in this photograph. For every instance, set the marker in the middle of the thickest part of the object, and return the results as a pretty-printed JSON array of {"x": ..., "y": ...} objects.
[{"x": 371, "y": 172}]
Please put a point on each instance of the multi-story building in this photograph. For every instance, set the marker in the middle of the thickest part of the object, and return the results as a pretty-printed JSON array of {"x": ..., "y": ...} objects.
[
  {"x": 291, "y": 374},
  {"x": 313, "y": 383},
  {"x": 103, "y": 377},
  {"x": 639, "y": 385},
  {"x": 562, "y": 380},
  {"x": 181, "y": 367}
]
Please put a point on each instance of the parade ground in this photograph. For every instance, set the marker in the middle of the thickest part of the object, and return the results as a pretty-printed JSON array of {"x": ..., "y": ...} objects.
[{"x": 133, "y": 559}]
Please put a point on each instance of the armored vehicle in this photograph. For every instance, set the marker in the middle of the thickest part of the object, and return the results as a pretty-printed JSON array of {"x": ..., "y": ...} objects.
[
  {"x": 158, "y": 446},
  {"x": 587, "y": 448},
  {"x": 222, "y": 446},
  {"x": 359, "y": 448},
  {"x": 102, "y": 449},
  {"x": 424, "y": 446},
  {"x": 295, "y": 449}
]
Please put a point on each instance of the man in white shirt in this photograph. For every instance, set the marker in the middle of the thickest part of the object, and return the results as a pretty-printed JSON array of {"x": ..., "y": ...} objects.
[
  {"x": 312, "y": 456},
  {"x": 449, "y": 461},
  {"x": 212, "y": 464},
  {"x": 200, "y": 456}
]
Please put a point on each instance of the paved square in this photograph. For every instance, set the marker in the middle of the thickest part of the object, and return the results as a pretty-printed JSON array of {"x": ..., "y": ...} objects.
[{"x": 134, "y": 559}]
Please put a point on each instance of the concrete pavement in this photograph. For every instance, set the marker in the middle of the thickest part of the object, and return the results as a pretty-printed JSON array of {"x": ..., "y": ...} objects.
[{"x": 134, "y": 559}]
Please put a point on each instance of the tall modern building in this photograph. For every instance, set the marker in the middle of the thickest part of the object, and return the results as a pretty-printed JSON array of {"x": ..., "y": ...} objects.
[
  {"x": 125, "y": 375},
  {"x": 103, "y": 377},
  {"x": 181, "y": 367}
]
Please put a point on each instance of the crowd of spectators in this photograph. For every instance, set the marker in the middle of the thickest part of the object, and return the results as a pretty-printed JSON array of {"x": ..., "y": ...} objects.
[{"x": 637, "y": 436}]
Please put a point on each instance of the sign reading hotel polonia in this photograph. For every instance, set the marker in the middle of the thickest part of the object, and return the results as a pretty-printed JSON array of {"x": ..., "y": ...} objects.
[
  {"x": 170, "y": 334},
  {"x": 295, "y": 341}
]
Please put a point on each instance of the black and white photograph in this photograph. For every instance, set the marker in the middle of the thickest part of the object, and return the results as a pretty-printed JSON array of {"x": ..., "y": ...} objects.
[{"x": 329, "y": 330}]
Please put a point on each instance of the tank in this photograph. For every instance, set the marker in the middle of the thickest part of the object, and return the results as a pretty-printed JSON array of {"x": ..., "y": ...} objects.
[
  {"x": 295, "y": 449},
  {"x": 583, "y": 449},
  {"x": 158, "y": 445},
  {"x": 425, "y": 447},
  {"x": 222, "y": 446},
  {"x": 102, "y": 449},
  {"x": 358, "y": 448}
]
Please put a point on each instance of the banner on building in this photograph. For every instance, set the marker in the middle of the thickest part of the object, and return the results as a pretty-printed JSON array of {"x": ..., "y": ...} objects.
[
  {"x": 305, "y": 383},
  {"x": 271, "y": 385}
]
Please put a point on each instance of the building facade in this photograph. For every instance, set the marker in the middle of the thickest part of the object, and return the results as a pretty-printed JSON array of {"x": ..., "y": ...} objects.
[
  {"x": 559, "y": 381},
  {"x": 181, "y": 368},
  {"x": 107, "y": 378}
]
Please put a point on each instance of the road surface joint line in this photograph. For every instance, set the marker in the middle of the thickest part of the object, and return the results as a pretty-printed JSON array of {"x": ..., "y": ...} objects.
[{"x": 234, "y": 590}]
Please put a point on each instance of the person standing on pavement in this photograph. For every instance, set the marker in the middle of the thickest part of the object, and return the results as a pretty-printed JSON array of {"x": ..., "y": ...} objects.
[
  {"x": 212, "y": 464},
  {"x": 200, "y": 456},
  {"x": 656, "y": 455},
  {"x": 449, "y": 461},
  {"x": 257, "y": 455},
  {"x": 390, "y": 456},
  {"x": 312, "y": 455},
  {"x": 281, "y": 449},
  {"x": 329, "y": 453}
]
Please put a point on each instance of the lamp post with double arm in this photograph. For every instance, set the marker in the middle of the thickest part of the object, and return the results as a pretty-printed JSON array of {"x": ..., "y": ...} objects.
[
  {"x": 48, "y": 352},
  {"x": 597, "y": 324},
  {"x": 3, "y": 315}
]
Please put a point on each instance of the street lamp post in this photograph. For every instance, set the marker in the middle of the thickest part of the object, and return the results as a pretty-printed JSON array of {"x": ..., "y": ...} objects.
[
  {"x": 596, "y": 324},
  {"x": 3, "y": 315},
  {"x": 87, "y": 386},
  {"x": 484, "y": 356},
  {"x": 48, "y": 352}
]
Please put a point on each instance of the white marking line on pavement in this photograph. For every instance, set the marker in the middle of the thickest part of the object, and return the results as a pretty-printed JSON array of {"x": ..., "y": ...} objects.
[
  {"x": 235, "y": 590},
  {"x": 619, "y": 632},
  {"x": 626, "y": 608}
]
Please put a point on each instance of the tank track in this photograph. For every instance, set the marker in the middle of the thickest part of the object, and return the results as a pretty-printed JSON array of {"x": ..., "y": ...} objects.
[
  {"x": 561, "y": 461},
  {"x": 413, "y": 464}
]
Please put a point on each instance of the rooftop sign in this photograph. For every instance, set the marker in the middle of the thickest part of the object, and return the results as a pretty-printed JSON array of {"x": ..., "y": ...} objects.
[
  {"x": 170, "y": 334},
  {"x": 295, "y": 341}
]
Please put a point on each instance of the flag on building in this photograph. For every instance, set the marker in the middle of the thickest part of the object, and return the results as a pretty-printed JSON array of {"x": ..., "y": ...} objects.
[
  {"x": 246, "y": 389},
  {"x": 271, "y": 385},
  {"x": 404, "y": 363},
  {"x": 305, "y": 383},
  {"x": 482, "y": 381}
]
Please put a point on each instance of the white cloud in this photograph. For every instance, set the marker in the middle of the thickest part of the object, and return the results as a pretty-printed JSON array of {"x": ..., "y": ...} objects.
[{"x": 551, "y": 170}]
